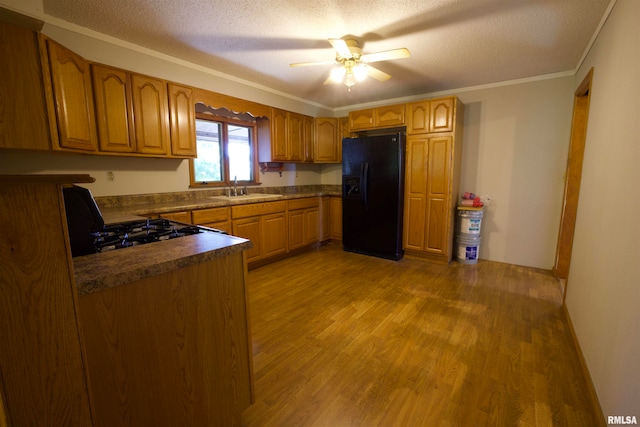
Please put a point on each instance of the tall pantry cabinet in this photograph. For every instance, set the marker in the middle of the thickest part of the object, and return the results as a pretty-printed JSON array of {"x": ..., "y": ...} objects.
[{"x": 432, "y": 177}]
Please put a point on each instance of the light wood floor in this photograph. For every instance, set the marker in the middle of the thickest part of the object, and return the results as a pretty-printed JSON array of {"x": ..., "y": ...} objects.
[{"x": 341, "y": 339}]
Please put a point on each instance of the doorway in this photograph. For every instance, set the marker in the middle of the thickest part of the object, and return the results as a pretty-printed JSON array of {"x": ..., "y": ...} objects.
[{"x": 573, "y": 176}]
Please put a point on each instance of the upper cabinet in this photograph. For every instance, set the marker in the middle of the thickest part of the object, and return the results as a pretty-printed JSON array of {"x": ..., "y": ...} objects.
[
  {"x": 150, "y": 114},
  {"x": 114, "y": 109},
  {"x": 182, "y": 117},
  {"x": 379, "y": 117},
  {"x": 328, "y": 140},
  {"x": 309, "y": 139},
  {"x": 23, "y": 108},
  {"x": 285, "y": 139},
  {"x": 73, "y": 97},
  {"x": 432, "y": 116}
]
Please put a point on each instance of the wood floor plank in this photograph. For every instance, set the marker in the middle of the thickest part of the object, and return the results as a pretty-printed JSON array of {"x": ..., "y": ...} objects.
[{"x": 342, "y": 339}]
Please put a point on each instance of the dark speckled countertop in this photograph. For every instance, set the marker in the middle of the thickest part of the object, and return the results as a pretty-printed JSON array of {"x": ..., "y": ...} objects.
[{"x": 114, "y": 268}]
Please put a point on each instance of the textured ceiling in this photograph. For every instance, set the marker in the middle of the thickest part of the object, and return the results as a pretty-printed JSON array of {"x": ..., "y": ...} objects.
[{"x": 453, "y": 43}]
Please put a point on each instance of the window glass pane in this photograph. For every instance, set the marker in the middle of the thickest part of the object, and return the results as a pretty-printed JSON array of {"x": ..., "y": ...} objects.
[
  {"x": 208, "y": 166},
  {"x": 239, "y": 149}
]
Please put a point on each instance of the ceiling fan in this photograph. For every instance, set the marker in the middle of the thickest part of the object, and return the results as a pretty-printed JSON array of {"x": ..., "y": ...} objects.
[{"x": 353, "y": 66}]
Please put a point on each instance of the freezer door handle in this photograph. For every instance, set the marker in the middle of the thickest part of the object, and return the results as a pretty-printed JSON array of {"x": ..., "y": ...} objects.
[{"x": 364, "y": 186}]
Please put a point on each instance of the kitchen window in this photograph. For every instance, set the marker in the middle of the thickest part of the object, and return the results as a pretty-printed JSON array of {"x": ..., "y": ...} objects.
[{"x": 226, "y": 145}]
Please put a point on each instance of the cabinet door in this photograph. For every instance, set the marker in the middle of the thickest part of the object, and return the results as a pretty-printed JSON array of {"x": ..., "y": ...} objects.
[
  {"x": 335, "y": 223},
  {"x": 24, "y": 124},
  {"x": 361, "y": 119},
  {"x": 184, "y": 217},
  {"x": 309, "y": 138},
  {"x": 151, "y": 115},
  {"x": 327, "y": 137},
  {"x": 390, "y": 115},
  {"x": 325, "y": 204},
  {"x": 441, "y": 115},
  {"x": 182, "y": 118},
  {"x": 274, "y": 234},
  {"x": 114, "y": 110},
  {"x": 278, "y": 135},
  {"x": 415, "y": 192},
  {"x": 295, "y": 137},
  {"x": 296, "y": 229},
  {"x": 438, "y": 183},
  {"x": 418, "y": 117},
  {"x": 73, "y": 95},
  {"x": 249, "y": 228},
  {"x": 312, "y": 226}
]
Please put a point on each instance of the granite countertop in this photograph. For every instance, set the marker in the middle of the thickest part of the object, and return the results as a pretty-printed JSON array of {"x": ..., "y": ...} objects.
[
  {"x": 137, "y": 210},
  {"x": 114, "y": 268}
]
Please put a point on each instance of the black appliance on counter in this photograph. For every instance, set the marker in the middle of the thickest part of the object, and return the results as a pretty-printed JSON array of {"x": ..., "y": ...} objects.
[
  {"x": 373, "y": 194},
  {"x": 88, "y": 234}
]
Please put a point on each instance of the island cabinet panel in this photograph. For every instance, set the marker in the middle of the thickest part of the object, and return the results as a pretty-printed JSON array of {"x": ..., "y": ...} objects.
[
  {"x": 171, "y": 350},
  {"x": 43, "y": 380},
  {"x": 73, "y": 96},
  {"x": 23, "y": 115}
]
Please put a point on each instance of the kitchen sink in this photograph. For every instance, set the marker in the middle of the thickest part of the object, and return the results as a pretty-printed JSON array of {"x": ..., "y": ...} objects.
[{"x": 254, "y": 196}]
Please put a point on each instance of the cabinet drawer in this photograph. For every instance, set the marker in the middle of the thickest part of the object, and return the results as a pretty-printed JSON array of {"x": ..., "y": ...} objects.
[
  {"x": 308, "y": 202},
  {"x": 184, "y": 217},
  {"x": 255, "y": 209},
  {"x": 204, "y": 216}
]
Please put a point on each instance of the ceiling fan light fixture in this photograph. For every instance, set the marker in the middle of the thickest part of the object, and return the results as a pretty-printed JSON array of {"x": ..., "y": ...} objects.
[
  {"x": 360, "y": 72},
  {"x": 350, "y": 79},
  {"x": 337, "y": 74}
]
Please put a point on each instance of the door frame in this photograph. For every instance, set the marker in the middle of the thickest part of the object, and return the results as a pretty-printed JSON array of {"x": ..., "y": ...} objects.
[{"x": 573, "y": 175}]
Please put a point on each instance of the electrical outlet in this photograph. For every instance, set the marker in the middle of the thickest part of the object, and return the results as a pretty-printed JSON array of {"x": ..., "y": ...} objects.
[{"x": 110, "y": 176}]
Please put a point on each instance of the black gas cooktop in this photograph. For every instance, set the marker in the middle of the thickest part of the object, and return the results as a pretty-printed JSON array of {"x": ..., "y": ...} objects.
[{"x": 134, "y": 233}]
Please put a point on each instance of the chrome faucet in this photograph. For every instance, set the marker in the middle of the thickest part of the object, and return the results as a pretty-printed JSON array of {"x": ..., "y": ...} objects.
[{"x": 235, "y": 186}]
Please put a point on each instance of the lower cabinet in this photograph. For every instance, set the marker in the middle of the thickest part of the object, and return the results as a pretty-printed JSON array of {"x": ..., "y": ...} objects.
[
  {"x": 218, "y": 218},
  {"x": 304, "y": 222},
  {"x": 265, "y": 225},
  {"x": 335, "y": 218}
]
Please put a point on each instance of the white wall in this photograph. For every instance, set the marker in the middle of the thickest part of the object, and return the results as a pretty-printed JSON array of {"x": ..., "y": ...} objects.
[
  {"x": 515, "y": 147},
  {"x": 603, "y": 288}
]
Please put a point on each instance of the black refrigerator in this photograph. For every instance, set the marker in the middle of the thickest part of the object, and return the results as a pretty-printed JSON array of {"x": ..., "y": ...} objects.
[{"x": 372, "y": 195}]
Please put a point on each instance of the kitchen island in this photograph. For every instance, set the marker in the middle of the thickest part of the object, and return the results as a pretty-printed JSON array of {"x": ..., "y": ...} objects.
[{"x": 165, "y": 329}]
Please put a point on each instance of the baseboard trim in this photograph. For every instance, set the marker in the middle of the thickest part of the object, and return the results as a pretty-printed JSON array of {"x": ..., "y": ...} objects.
[{"x": 593, "y": 396}]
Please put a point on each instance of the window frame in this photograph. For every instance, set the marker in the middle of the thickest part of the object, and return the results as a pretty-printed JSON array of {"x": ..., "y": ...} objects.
[{"x": 227, "y": 180}]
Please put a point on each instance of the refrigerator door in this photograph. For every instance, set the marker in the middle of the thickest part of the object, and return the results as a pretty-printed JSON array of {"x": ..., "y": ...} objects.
[{"x": 372, "y": 215}]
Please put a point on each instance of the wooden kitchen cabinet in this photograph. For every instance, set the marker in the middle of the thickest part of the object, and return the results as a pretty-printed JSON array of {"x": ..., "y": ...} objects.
[
  {"x": 377, "y": 118},
  {"x": 73, "y": 99},
  {"x": 150, "y": 114},
  {"x": 23, "y": 118},
  {"x": 286, "y": 139},
  {"x": 328, "y": 147},
  {"x": 42, "y": 361},
  {"x": 182, "y": 216},
  {"x": 171, "y": 349},
  {"x": 304, "y": 222},
  {"x": 432, "y": 179},
  {"x": 182, "y": 119},
  {"x": 335, "y": 218},
  {"x": 218, "y": 218},
  {"x": 265, "y": 225},
  {"x": 114, "y": 109},
  {"x": 309, "y": 139},
  {"x": 325, "y": 203},
  {"x": 295, "y": 137}
]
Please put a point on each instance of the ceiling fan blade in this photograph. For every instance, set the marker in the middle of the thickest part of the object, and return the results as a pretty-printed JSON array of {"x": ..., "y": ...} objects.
[
  {"x": 377, "y": 74},
  {"x": 341, "y": 47},
  {"x": 330, "y": 81},
  {"x": 386, "y": 55},
  {"x": 306, "y": 64}
]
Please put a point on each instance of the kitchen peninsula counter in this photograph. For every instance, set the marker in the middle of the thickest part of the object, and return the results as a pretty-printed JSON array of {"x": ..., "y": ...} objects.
[{"x": 114, "y": 268}]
